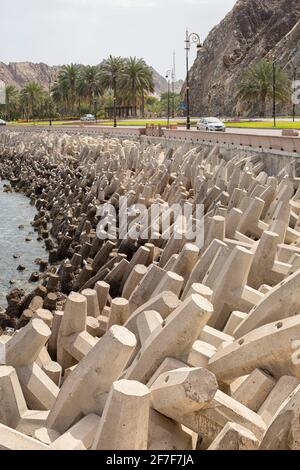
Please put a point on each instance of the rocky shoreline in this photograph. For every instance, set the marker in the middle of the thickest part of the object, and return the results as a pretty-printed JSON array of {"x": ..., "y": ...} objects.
[
  {"x": 66, "y": 193},
  {"x": 52, "y": 188}
]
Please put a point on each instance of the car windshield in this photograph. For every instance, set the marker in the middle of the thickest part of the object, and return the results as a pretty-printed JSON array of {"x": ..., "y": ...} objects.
[{"x": 213, "y": 120}]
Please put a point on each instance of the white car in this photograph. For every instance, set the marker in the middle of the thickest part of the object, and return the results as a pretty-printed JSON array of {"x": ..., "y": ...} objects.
[
  {"x": 88, "y": 117},
  {"x": 211, "y": 124},
  {"x": 2, "y": 123}
]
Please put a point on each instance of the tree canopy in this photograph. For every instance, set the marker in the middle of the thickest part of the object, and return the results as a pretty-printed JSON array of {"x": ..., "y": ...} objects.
[{"x": 256, "y": 86}]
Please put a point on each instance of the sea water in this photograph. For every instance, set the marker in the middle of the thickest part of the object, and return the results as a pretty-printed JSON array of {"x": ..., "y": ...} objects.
[{"x": 15, "y": 211}]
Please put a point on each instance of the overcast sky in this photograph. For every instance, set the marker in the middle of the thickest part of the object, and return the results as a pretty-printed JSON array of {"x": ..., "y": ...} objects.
[{"x": 86, "y": 31}]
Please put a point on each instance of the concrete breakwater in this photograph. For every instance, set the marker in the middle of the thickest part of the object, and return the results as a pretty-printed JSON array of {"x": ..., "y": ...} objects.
[{"x": 123, "y": 341}]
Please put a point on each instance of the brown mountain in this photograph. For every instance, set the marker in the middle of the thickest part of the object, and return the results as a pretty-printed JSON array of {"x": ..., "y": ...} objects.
[
  {"x": 20, "y": 73},
  {"x": 161, "y": 84},
  {"x": 253, "y": 30}
]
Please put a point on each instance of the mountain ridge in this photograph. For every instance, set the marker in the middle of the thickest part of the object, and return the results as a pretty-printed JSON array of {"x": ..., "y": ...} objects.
[{"x": 20, "y": 73}]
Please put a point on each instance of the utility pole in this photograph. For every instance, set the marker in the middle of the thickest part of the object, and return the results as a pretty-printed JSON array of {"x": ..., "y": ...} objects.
[
  {"x": 294, "y": 104},
  {"x": 274, "y": 91},
  {"x": 115, "y": 99},
  {"x": 173, "y": 85},
  {"x": 193, "y": 38},
  {"x": 49, "y": 106},
  {"x": 169, "y": 72}
]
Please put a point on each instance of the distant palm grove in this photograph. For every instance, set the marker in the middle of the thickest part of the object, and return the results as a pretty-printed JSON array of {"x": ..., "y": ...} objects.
[{"x": 84, "y": 89}]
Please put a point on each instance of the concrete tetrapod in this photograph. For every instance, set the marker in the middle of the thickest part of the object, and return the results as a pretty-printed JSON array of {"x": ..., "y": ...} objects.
[
  {"x": 24, "y": 347},
  {"x": 254, "y": 390},
  {"x": 10, "y": 439},
  {"x": 186, "y": 397},
  {"x": 271, "y": 348},
  {"x": 166, "y": 434},
  {"x": 125, "y": 419},
  {"x": 78, "y": 437},
  {"x": 86, "y": 388},
  {"x": 13, "y": 404},
  {"x": 21, "y": 352},
  {"x": 283, "y": 388},
  {"x": 228, "y": 288},
  {"x": 281, "y": 302},
  {"x": 179, "y": 392},
  {"x": 235, "y": 437},
  {"x": 164, "y": 303},
  {"x": 283, "y": 432},
  {"x": 175, "y": 339}
]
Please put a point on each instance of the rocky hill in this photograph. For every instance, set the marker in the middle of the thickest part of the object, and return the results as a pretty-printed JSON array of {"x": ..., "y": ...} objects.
[
  {"x": 20, "y": 73},
  {"x": 161, "y": 84},
  {"x": 254, "y": 29}
]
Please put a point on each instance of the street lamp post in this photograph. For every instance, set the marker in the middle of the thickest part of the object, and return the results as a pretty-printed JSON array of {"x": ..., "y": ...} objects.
[
  {"x": 95, "y": 107},
  {"x": 294, "y": 104},
  {"x": 173, "y": 94},
  {"x": 49, "y": 107},
  {"x": 114, "y": 85},
  {"x": 168, "y": 79},
  {"x": 115, "y": 99},
  {"x": 193, "y": 38},
  {"x": 274, "y": 91}
]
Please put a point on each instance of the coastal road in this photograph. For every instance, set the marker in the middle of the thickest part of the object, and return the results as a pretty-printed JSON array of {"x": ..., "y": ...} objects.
[
  {"x": 268, "y": 132},
  {"x": 268, "y": 139},
  {"x": 229, "y": 130}
]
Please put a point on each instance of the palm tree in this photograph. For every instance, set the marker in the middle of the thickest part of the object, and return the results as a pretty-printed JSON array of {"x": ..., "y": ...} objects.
[
  {"x": 60, "y": 96},
  {"x": 111, "y": 71},
  {"x": 11, "y": 101},
  {"x": 147, "y": 87},
  {"x": 80, "y": 93},
  {"x": 136, "y": 79},
  {"x": 257, "y": 85},
  {"x": 31, "y": 98},
  {"x": 68, "y": 78},
  {"x": 90, "y": 83}
]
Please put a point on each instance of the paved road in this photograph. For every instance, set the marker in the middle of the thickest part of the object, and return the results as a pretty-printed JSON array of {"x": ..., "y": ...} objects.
[
  {"x": 270, "y": 132},
  {"x": 231, "y": 130}
]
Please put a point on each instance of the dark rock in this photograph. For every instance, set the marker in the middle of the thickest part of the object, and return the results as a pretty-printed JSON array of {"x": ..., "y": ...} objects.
[
  {"x": 14, "y": 300},
  {"x": 34, "y": 277},
  {"x": 253, "y": 30},
  {"x": 21, "y": 267}
]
